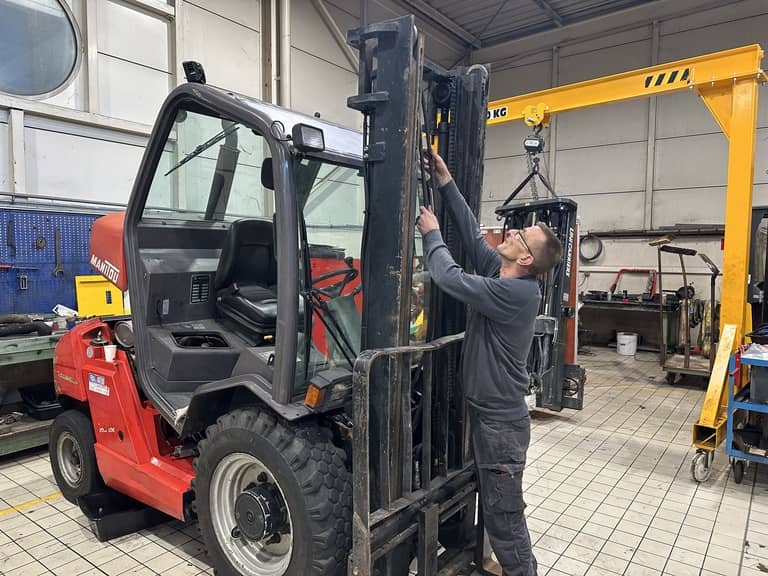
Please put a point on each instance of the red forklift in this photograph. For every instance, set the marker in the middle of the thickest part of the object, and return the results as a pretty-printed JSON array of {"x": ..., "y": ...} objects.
[{"x": 266, "y": 384}]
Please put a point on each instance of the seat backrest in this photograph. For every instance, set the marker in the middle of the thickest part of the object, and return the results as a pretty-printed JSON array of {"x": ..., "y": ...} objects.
[{"x": 248, "y": 255}]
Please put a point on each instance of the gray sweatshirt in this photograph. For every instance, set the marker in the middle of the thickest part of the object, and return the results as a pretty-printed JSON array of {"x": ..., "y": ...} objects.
[{"x": 502, "y": 313}]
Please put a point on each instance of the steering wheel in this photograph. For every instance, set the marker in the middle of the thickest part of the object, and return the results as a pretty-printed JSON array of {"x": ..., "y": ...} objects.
[{"x": 334, "y": 290}]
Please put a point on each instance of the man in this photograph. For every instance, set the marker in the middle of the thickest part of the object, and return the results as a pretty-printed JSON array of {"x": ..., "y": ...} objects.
[{"x": 503, "y": 298}]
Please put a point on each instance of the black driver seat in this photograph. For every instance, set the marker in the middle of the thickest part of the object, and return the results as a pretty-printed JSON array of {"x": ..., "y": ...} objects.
[{"x": 246, "y": 279}]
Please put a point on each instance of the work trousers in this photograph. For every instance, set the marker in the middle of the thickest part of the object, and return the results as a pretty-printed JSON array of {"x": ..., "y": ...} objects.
[{"x": 499, "y": 450}]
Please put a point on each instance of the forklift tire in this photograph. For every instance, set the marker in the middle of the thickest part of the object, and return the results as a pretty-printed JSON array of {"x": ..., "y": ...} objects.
[
  {"x": 73, "y": 458},
  {"x": 272, "y": 498}
]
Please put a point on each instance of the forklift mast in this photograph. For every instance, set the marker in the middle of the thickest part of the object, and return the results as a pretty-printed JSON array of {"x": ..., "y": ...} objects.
[
  {"x": 412, "y": 479},
  {"x": 557, "y": 383}
]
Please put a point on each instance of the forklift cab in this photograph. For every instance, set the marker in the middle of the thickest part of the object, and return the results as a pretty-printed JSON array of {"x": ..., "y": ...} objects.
[{"x": 242, "y": 246}]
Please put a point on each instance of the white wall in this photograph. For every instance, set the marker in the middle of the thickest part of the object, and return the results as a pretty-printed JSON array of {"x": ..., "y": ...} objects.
[
  {"x": 225, "y": 37},
  {"x": 3, "y": 150},
  {"x": 600, "y": 158},
  {"x": 439, "y": 46},
  {"x": 86, "y": 142},
  {"x": 321, "y": 75}
]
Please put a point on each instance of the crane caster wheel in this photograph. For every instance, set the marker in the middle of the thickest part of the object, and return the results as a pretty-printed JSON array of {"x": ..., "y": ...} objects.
[
  {"x": 701, "y": 466},
  {"x": 737, "y": 466}
]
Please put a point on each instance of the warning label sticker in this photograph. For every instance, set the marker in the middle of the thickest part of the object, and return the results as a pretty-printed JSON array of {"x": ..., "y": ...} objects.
[{"x": 96, "y": 384}]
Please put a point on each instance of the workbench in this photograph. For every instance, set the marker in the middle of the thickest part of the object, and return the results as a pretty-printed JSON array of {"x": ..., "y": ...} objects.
[
  {"x": 16, "y": 350},
  {"x": 24, "y": 361},
  {"x": 603, "y": 318}
]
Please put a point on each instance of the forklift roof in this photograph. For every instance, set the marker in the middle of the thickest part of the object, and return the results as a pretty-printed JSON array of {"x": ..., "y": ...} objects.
[{"x": 339, "y": 141}]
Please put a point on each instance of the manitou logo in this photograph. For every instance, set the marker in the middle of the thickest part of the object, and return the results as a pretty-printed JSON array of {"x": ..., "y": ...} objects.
[
  {"x": 107, "y": 269},
  {"x": 496, "y": 113}
]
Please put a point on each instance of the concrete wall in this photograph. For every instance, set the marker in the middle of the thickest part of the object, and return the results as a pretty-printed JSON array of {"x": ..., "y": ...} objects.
[{"x": 601, "y": 155}]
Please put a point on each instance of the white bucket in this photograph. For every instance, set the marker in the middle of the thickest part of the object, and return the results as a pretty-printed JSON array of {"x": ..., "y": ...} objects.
[{"x": 626, "y": 343}]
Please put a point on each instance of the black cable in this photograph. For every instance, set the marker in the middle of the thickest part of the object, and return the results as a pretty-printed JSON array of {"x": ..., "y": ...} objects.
[
  {"x": 596, "y": 255},
  {"x": 336, "y": 331}
]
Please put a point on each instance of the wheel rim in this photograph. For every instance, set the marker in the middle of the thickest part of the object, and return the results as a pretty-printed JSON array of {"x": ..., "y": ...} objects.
[
  {"x": 233, "y": 475},
  {"x": 701, "y": 470},
  {"x": 70, "y": 459}
]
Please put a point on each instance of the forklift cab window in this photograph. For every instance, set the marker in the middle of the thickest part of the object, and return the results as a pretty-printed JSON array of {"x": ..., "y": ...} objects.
[
  {"x": 210, "y": 170},
  {"x": 332, "y": 201}
]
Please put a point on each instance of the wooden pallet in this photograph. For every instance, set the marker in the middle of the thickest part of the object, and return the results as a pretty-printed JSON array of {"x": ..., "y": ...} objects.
[{"x": 697, "y": 365}]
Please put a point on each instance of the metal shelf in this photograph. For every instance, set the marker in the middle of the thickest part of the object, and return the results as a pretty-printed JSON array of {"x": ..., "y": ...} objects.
[{"x": 738, "y": 400}]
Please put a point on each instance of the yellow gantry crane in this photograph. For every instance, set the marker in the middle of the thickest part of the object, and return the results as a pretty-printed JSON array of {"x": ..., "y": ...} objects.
[{"x": 728, "y": 84}]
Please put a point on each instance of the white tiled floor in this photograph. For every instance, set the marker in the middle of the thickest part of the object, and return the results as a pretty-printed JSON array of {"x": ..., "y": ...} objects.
[{"x": 609, "y": 493}]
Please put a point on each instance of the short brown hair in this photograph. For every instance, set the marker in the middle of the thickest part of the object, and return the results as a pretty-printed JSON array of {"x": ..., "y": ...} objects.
[{"x": 548, "y": 253}]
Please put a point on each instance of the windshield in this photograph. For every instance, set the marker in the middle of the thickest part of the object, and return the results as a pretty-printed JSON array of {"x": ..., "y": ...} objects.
[
  {"x": 332, "y": 202},
  {"x": 210, "y": 170}
]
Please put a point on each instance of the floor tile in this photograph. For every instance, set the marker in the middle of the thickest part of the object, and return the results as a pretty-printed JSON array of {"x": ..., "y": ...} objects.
[
  {"x": 571, "y": 567},
  {"x": 640, "y": 570},
  {"x": 649, "y": 560},
  {"x": 722, "y": 567},
  {"x": 679, "y": 569},
  {"x": 608, "y": 489},
  {"x": 164, "y": 562},
  {"x": 8, "y": 563},
  {"x": 74, "y": 568},
  {"x": 545, "y": 557},
  {"x": 598, "y": 530},
  {"x": 581, "y": 553},
  {"x": 30, "y": 569},
  {"x": 619, "y": 550},
  {"x": 552, "y": 544},
  {"x": 610, "y": 563}
]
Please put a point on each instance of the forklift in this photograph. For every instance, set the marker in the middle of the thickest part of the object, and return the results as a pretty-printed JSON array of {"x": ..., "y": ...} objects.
[
  {"x": 266, "y": 383},
  {"x": 557, "y": 381}
]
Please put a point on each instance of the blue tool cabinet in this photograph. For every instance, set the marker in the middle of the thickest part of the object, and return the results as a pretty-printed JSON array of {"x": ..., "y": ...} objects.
[{"x": 38, "y": 290}]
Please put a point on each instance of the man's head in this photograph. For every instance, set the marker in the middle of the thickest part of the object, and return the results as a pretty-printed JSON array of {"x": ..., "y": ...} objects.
[{"x": 536, "y": 249}]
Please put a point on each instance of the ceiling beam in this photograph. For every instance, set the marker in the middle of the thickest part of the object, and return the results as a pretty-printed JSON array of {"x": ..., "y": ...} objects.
[
  {"x": 426, "y": 11},
  {"x": 546, "y": 7},
  {"x": 614, "y": 22}
]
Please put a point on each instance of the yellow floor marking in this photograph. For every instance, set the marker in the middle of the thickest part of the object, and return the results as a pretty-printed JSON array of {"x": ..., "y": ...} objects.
[{"x": 29, "y": 504}]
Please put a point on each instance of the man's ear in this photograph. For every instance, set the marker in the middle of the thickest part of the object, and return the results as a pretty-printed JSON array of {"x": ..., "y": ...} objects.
[{"x": 526, "y": 260}]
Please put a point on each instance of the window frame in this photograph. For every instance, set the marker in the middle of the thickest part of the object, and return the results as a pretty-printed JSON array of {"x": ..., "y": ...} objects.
[{"x": 75, "y": 67}]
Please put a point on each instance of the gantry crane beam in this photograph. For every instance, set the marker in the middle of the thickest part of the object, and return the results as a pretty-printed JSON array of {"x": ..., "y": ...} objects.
[{"x": 727, "y": 82}]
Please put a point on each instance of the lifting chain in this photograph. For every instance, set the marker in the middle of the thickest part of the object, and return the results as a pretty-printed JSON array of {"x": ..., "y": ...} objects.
[{"x": 533, "y": 167}]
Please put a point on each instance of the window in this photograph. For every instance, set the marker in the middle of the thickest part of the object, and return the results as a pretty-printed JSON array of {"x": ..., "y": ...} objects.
[
  {"x": 210, "y": 170},
  {"x": 333, "y": 212},
  {"x": 38, "y": 47}
]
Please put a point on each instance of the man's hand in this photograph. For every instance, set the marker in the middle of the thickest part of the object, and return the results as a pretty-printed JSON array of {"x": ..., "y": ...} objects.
[
  {"x": 442, "y": 174},
  {"x": 427, "y": 221}
]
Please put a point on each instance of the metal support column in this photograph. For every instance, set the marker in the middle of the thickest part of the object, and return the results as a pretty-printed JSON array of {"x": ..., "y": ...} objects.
[
  {"x": 92, "y": 57},
  {"x": 650, "y": 154},
  {"x": 17, "y": 171},
  {"x": 551, "y": 172},
  {"x": 734, "y": 106}
]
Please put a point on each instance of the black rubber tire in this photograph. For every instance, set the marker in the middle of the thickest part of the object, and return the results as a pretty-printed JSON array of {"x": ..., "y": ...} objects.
[
  {"x": 738, "y": 471},
  {"x": 81, "y": 429},
  {"x": 312, "y": 474}
]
